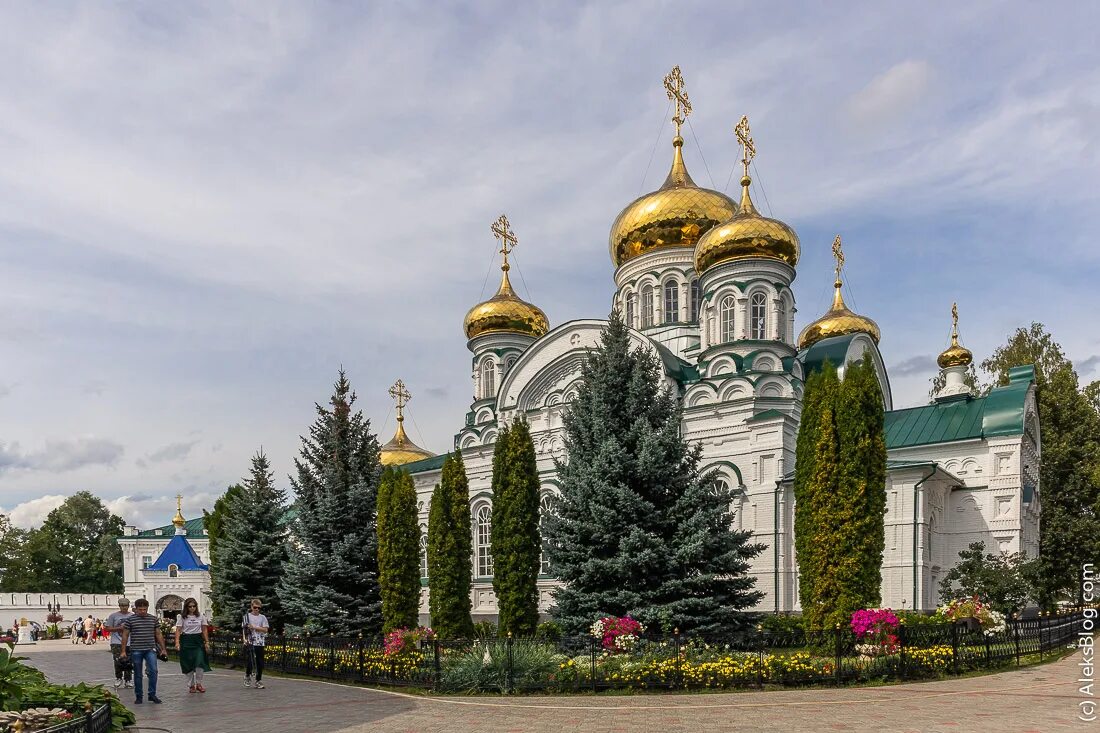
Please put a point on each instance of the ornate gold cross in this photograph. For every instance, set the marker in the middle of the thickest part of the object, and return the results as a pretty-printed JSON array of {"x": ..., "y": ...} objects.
[
  {"x": 179, "y": 503},
  {"x": 838, "y": 253},
  {"x": 401, "y": 396},
  {"x": 744, "y": 136},
  {"x": 502, "y": 230},
  {"x": 674, "y": 87},
  {"x": 954, "y": 324}
]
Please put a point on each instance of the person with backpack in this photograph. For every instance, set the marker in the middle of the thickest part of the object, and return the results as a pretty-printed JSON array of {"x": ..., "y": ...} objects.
[
  {"x": 76, "y": 633},
  {"x": 141, "y": 640},
  {"x": 254, "y": 628},
  {"x": 123, "y": 672}
]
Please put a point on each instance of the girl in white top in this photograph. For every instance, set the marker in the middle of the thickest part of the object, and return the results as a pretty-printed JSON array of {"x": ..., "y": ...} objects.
[{"x": 193, "y": 644}]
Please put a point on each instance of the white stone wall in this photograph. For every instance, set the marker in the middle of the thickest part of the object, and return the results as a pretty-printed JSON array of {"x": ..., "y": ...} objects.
[{"x": 33, "y": 606}]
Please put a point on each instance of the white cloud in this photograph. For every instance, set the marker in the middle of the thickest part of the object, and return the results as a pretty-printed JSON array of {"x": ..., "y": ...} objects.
[
  {"x": 59, "y": 456},
  {"x": 171, "y": 452},
  {"x": 890, "y": 95},
  {"x": 32, "y": 513}
]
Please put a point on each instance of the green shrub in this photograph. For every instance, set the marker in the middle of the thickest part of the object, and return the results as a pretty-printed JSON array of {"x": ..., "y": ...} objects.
[
  {"x": 781, "y": 624},
  {"x": 548, "y": 631},
  {"x": 484, "y": 666},
  {"x": 485, "y": 630}
]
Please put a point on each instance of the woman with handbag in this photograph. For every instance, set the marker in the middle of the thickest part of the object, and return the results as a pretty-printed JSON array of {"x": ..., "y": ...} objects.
[{"x": 193, "y": 644}]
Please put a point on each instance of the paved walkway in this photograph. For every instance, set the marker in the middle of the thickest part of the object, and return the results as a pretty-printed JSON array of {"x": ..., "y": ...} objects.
[{"x": 1034, "y": 700}]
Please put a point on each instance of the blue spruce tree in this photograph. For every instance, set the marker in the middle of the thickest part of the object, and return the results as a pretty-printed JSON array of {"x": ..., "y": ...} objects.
[{"x": 330, "y": 581}]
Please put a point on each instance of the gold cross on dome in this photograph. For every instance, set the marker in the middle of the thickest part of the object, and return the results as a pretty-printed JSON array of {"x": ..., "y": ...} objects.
[
  {"x": 838, "y": 253},
  {"x": 502, "y": 230},
  {"x": 401, "y": 396},
  {"x": 179, "y": 503},
  {"x": 674, "y": 88},
  {"x": 744, "y": 136},
  {"x": 954, "y": 323}
]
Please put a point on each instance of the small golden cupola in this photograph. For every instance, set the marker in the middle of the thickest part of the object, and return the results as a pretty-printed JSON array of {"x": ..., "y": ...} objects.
[
  {"x": 178, "y": 520},
  {"x": 839, "y": 320},
  {"x": 505, "y": 312},
  {"x": 678, "y": 213},
  {"x": 401, "y": 450},
  {"x": 955, "y": 355},
  {"x": 747, "y": 233}
]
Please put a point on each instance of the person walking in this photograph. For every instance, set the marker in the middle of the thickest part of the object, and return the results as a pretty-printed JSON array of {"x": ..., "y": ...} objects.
[
  {"x": 193, "y": 644},
  {"x": 141, "y": 640},
  {"x": 89, "y": 630},
  {"x": 254, "y": 628},
  {"x": 77, "y": 631},
  {"x": 123, "y": 673}
]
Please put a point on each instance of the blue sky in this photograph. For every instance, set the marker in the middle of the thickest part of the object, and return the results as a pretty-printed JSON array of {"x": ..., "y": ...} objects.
[{"x": 206, "y": 209}]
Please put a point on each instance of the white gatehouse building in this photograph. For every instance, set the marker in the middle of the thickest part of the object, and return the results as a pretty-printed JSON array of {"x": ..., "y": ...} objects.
[{"x": 704, "y": 282}]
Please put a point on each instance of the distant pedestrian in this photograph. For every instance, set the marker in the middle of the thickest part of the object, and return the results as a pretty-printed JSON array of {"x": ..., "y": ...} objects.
[
  {"x": 254, "y": 628},
  {"x": 123, "y": 673},
  {"x": 76, "y": 633},
  {"x": 193, "y": 644},
  {"x": 141, "y": 640},
  {"x": 89, "y": 630}
]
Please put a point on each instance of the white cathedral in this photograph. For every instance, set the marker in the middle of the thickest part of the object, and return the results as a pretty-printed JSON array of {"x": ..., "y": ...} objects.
[{"x": 704, "y": 282}]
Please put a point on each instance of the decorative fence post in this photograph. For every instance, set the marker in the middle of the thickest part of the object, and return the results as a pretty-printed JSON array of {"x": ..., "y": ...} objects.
[
  {"x": 954, "y": 648},
  {"x": 511, "y": 682},
  {"x": 359, "y": 652},
  {"x": 836, "y": 641},
  {"x": 679, "y": 682},
  {"x": 436, "y": 671},
  {"x": 1016, "y": 638},
  {"x": 331, "y": 655},
  {"x": 88, "y": 716},
  {"x": 309, "y": 655},
  {"x": 282, "y": 636},
  {"x": 592, "y": 650},
  {"x": 760, "y": 663}
]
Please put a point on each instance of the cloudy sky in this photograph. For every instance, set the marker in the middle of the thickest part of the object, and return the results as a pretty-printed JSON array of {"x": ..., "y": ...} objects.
[{"x": 206, "y": 209}]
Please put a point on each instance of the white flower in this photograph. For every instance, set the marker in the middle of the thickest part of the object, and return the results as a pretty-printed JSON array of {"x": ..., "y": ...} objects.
[{"x": 597, "y": 629}]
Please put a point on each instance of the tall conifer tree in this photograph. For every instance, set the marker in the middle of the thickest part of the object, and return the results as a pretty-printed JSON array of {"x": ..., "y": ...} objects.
[
  {"x": 398, "y": 551},
  {"x": 815, "y": 487},
  {"x": 516, "y": 546},
  {"x": 450, "y": 553},
  {"x": 330, "y": 583},
  {"x": 861, "y": 490},
  {"x": 628, "y": 533},
  {"x": 251, "y": 549}
]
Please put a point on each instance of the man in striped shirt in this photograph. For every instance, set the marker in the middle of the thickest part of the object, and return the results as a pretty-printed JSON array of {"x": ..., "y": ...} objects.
[{"x": 141, "y": 639}]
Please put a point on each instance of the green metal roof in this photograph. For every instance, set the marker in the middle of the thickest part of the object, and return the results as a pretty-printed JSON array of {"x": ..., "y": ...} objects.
[
  {"x": 766, "y": 415},
  {"x": 1001, "y": 412},
  {"x": 831, "y": 349},
  {"x": 425, "y": 464},
  {"x": 193, "y": 527}
]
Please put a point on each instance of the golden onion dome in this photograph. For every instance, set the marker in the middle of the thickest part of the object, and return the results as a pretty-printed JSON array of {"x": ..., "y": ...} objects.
[
  {"x": 400, "y": 450},
  {"x": 839, "y": 320},
  {"x": 675, "y": 215},
  {"x": 956, "y": 354},
  {"x": 747, "y": 234},
  {"x": 506, "y": 312}
]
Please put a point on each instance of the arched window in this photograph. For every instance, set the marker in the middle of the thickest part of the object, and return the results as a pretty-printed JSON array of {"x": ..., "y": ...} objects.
[
  {"x": 758, "y": 316},
  {"x": 694, "y": 315},
  {"x": 728, "y": 306},
  {"x": 672, "y": 302},
  {"x": 781, "y": 321},
  {"x": 508, "y": 364},
  {"x": 647, "y": 306},
  {"x": 546, "y": 508},
  {"x": 483, "y": 529},
  {"x": 488, "y": 379},
  {"x": 631, "y": 305},
  {"x": 423, "y": 552}
]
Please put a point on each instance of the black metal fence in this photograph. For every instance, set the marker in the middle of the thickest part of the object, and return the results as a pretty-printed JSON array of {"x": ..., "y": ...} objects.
[
  {"x": 89, "y": 719},
  {"x": 751, "y": 658}
]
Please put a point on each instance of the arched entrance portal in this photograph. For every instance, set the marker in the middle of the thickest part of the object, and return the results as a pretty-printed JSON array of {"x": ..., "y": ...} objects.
[{"x": 169, "y": 606}]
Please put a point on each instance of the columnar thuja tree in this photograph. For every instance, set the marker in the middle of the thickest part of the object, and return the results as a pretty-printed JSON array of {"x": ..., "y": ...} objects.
[
  {"x": 251, "y": 548},
  {"x": 398, "y": 551},
  {"x": 516, "y": 546},
  {"x": 636, "y": 531},
  {"x": 450, "y": 553},
  {"x": 330, "y": 583},
  {"x": 840, "y": 495}
]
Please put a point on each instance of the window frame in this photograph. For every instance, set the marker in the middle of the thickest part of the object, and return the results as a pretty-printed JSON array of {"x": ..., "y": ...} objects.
[{"x": 758, "y": 324}]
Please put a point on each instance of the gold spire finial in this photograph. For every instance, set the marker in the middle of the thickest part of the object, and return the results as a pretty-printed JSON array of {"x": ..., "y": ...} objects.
[
  {"x": 954, "y": 324},
  {"x": 178, "y": 520},
  {"x": 502, "y": 230},
  {"x": 401, "y": 396},
  {"x": 674, "y": 87},
  {"x": 744, "y": 136},
  {"x": 838, "y": 255}
]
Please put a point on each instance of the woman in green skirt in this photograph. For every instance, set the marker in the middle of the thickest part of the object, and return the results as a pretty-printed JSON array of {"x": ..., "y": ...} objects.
[{"x": 193, "y": 644}]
